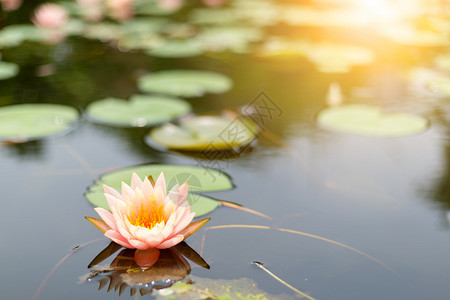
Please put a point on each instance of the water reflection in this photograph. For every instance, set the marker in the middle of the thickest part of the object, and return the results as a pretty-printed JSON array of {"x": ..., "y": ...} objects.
[
  {"x": 26, "y": 150},
  {"x": 128, "y": 269}
]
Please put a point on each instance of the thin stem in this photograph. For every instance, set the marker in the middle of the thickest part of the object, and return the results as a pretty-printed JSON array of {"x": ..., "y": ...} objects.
[{"x": 261, "y": 266}]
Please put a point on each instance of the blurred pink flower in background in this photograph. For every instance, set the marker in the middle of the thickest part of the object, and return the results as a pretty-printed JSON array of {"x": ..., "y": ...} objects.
[
  {"x": 8, "y": 5},
  {"x": 50, "y": 15},
  {"x": 170, "y": 4},
  {"x": 52, "y": 18},
  {"x": 91, "y": 10},
  {"x": 120, "y": 9}
]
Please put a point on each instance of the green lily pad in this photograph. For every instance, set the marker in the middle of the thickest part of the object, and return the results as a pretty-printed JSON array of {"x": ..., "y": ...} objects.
[
  {"x": 145, "y": 7},
  {"x": 144, "y": 25},
  {"x": 32, "y": 121},
  {"x": 104, "y": 31},
  {"x": 14, "y": 35},
  {"x": 206, "y": 133},
  {"x": 200, "y": 179},
  {"x": 8, "y": 70},
  {"x": 185, "y": 83},
  {"x": 236, "y": 39},
  {"x": 370, "y": 120},
  {"x": 214, "y": 16},
  {"x": 140, "y": 111},
  {"x": 177, "y": 48},
  {"x": 337, "y": 58}
]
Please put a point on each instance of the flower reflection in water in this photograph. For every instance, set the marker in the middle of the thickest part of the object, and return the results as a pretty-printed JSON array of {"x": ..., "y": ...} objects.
[{"x": 167, "y": 267}]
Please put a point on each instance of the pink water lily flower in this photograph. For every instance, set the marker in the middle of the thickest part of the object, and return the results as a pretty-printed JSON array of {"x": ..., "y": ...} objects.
[{"x": 144, "y": 216}]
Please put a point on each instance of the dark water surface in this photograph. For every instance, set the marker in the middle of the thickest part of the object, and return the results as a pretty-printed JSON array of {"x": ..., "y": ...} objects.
[{"x": 387, "y": 197}]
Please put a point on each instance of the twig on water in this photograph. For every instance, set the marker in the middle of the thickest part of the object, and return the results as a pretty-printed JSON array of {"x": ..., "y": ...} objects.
[{"x": 261, "y": 266}]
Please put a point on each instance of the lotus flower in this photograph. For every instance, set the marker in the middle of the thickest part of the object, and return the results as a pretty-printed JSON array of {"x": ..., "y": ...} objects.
[
  {"x": 145, "y": 217},
  {"x": 8, "y": 5},
  {"x": 50, "y": 15}
]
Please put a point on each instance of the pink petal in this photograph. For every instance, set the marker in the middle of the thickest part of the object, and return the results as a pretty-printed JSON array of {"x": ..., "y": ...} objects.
[
  {"x": 193, "y": 227},
  {"x": 168, "y": 228},
  {"x": 161, "y": 182},
  {"x": 127, "y": 192},
  {"x": 184, "y": 222},
  {"x": 182, "y": 192},
  {"x": 136, "y": 181},
  {"x": 107, "y": 217},
  {"x": 112, "y": 192},
  {"x": 171, "y": 242},
  {"x": 119, "y": 239},
  {"x": 147, "y": 188},
  {"x": 138, "y": 244}
]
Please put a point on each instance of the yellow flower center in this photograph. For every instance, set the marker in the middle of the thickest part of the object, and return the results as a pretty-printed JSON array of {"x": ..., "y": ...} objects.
[{"x": 147, "y": 217}]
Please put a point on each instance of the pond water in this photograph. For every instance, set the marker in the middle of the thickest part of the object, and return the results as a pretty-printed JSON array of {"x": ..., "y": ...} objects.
[{"x": 384, "y": 196}]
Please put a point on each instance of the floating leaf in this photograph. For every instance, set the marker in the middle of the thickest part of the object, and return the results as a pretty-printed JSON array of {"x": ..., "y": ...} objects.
[
  {"x": 144, "y": 25},
  {"x": 177, "y": 48},
  {"x": 145, "y": 7},
  {"x": 140, "y": 111},
  {"x": 235, "y": 39},
  {"x": 8, "y": 70},
  {"x": 200, "y": 180},
  {"x": 337, "y": 58},
  {"x": 185, "y": 83},
  {"x": 205, "y": 288},
  {"x": 14, "y": 35},
  {"x": 103, "y": 31},
  {"x": 371, "y": 121},
  {"x": 429, "y": 82},
  {"x": 32, "y": 121},
  {"x": 207, "y": 132},
  {"x": 213, "y": 16}
]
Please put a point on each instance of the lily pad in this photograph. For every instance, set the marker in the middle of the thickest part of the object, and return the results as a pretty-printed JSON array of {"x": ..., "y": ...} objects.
[
  {"x": 214, "y": 16},
  {"x": 140, "y": 111},
  {"x": 145, "y": 7},
  {"x": 370, "y": 120},
  {"x": 205, "y": 288},
  {"x": 337, "y": 58},
  {"x": 206, "y": 133},
  {"x": 177, "y": 48},
  {"x": 200, "y": 180},
  {"x": 185, "y": 83},
  {"x": 223, "y": 38},
  {"x": 33, "y": 121},
  {"x": 8, "y": 70},
  {"x": 14, "y": 35}
]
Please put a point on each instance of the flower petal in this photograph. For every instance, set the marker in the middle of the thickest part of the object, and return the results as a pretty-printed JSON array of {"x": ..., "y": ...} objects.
[
  {"x": 118, "y": 238},
  {"x": 112, "y": 192},
  {"x": 140, "y": 245},
  {"x": 147, "y": 187},
  {"x": 136, "y": 181},
  {"x": 100, "y": 224},
  {"x": 193, "y": 227},
  {"x": 171, "y": 242},
  {"x": 161, "y": 183},
  {"x": 127, "y": 192},
  {"x": 184, "y": 222},
  {"x": 107, "y": 217}
]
